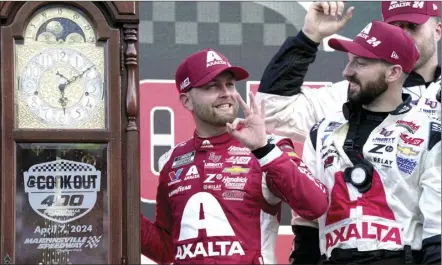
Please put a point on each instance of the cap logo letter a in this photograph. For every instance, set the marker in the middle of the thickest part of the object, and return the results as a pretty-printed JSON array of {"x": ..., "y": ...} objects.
[
  {"x": 213, "y": 58},
  {"x": 393, "y": 5},
  {"x": 365, "y": 32},
  {"x": 367, "y": 29}
]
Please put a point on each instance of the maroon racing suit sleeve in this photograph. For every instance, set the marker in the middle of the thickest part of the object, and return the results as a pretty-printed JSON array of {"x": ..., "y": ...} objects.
[
  {"x": 156, "y": 238},
  {"x": 289, "y": 179}
]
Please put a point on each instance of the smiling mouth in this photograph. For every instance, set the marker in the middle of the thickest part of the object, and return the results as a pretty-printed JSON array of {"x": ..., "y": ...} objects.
[
  {"x": 353, "y": 85},
  {"x": 224, "y": 106}
]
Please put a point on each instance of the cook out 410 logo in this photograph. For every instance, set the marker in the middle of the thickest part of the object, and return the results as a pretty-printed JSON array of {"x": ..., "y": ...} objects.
[
  {"x": 62, "y": 190},
  {"x": 164, "y": 123}
]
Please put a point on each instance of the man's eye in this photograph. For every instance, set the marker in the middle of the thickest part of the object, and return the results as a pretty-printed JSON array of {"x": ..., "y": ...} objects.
[{"x": 412, "y": 26}]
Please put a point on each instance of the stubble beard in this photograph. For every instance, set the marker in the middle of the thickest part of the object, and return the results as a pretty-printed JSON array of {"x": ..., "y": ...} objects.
[
  {"x": 210, "y": 116},
  {"x": 427, "y": 50},
  {"x": 367, "y": 93}
]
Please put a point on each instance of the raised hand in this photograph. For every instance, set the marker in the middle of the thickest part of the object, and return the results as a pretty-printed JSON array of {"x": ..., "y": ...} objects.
[
  {"x": 251, "y": 131},
  {"x": 324, "y": 19}
]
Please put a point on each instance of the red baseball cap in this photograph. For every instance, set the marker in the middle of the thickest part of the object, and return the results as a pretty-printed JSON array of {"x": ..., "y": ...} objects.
[
  {"x": 380, "y": 40},
  {"x": 203, "y": 66},
  {"x": 417, "y": 12}
]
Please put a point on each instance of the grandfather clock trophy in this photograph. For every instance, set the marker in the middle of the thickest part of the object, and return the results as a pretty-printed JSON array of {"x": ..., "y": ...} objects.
[{"x": 70, "y": 141}]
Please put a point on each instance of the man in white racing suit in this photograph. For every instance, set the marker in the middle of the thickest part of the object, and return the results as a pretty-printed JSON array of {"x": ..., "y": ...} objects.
[
  {"x": 293, "y": 109},
  {"x": 379, "y": 158}
]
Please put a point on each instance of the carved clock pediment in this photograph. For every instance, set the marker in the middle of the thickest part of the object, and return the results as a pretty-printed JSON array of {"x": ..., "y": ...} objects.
[{"x": 118, "y": 11}]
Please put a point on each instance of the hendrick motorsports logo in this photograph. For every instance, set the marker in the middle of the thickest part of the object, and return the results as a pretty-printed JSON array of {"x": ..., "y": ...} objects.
[{"x": 62, "y": 190}]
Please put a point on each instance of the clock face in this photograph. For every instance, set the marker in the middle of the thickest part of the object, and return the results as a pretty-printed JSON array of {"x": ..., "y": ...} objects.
[
  {"x": 60, "y": 73},
  {"x": 61, "y": 87}
]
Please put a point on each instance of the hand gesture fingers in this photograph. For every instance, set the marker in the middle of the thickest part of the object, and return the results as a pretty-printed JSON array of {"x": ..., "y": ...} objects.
[
  {"x": 322, "y": 6},
  {"x": 253, "y": 104},
  {"x": 346, "y": 17},
  {"x": 261, "y": 111},
  {"x": 340, "y": 8},
  {"x": 327, "y": 8},
  {"x": 243, "y": 105},
  {"x": 333, "y": 8},
  {"x": 249, "y": 131},
  {"x": 236, "y": 122},
  {"x": 336, "y": 8},
  {"x": 234, "y": 125}
]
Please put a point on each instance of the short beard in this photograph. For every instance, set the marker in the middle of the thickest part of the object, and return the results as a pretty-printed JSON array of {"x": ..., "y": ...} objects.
[
  {"x": 426, "y": 51},
  {"x": 368, "y": 93},
  {"x": 209, "y": 116}
]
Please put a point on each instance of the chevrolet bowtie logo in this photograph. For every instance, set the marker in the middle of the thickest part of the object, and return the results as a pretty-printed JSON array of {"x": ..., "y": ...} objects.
[
  {"x": 235, "y": 170},
  {"x": 292, "y": 154},
  {"x": 407, "y": 151}
]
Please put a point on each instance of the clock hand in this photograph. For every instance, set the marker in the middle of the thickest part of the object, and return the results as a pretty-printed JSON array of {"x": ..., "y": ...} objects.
[
  {"x": 62, "y": 76},
  {"x": 87, "y": 69},
  {"x": 63, "y": 100},
  {"x": 71, "y": 80},
  {"x": 77, "y": 76}
]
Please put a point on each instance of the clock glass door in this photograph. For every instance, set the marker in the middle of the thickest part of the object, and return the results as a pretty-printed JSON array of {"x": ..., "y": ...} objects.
[{"x": 61, "y": 204}]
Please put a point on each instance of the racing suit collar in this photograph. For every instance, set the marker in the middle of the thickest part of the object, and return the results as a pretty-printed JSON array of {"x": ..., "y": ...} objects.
[
  {"x": 415, "y": 79},
  {"x": 349, "y": 108},
  {"x": 212, "y": 143}
]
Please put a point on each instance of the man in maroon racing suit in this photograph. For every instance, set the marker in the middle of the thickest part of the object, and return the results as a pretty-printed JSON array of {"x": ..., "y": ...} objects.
[{"x": 220, "y": 193}]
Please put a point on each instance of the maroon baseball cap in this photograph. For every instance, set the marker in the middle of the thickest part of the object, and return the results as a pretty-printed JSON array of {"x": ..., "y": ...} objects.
[
  {"x": 417, "y": 12},
  {"x": 203, "y": 66},
  {"x": 380, "y": 40}
]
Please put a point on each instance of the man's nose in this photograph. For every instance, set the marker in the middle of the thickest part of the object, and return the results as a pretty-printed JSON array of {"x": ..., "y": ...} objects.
[
  {"x": 405, "y": 27},
  {"x": 408, "y": 30},
  {"x": 401, "y": 25},
  {"x": 226, "y": 90},
  {"x": 347, "y": 72}
]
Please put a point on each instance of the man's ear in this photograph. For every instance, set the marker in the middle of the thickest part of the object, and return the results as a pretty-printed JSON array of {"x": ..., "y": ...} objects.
[
  {"x": 438, "y": 34},
  {"x": 186, "y": 101},
  {"x": 393, "y": 73}
]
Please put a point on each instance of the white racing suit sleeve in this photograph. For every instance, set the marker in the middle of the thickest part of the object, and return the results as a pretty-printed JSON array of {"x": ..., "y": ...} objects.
[
  {"x": 292, "y": 108},
  {"x": 294, "y": 116},
  {"x": 430, "y": 199}
]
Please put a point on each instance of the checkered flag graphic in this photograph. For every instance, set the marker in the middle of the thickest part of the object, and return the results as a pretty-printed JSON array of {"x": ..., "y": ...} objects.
[
  {"x": 217, "y": 22},
  {"x": 93, "y": 241},
  {"x": 62, "y": 165}
]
